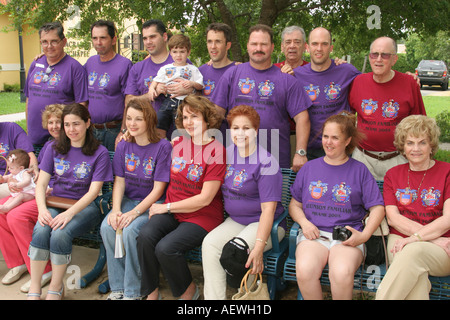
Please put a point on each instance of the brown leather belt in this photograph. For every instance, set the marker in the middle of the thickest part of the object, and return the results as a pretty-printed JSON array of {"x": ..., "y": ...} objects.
[
  {"x": 108, "y": 125},
  {"x": 381, "y": 158}
]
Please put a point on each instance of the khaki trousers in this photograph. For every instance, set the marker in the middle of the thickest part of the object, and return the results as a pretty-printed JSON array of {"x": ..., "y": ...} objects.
[
  {"x": 215, "y": 280},
  {"x": 376, "y": 167},
  {"x": 407, "y": 276}
]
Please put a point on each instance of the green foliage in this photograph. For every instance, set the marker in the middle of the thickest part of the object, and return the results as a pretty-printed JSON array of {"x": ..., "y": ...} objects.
[
  {"x": 11, "y": 87},
  {"x": 443, "y": 121}
]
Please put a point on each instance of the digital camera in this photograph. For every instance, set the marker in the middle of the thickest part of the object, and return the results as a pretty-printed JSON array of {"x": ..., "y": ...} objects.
[{"x": 341, "y": 233}]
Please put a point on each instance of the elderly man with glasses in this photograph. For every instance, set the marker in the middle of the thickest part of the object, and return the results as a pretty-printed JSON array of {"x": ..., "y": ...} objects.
[
  {"x": 382, "y": 98},
  {"x": 54, "y": 77}
]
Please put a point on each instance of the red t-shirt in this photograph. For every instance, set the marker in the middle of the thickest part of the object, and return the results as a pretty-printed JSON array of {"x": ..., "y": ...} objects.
[
  {"x": 192, "y": 165},
  {"x": 423, "y": 205},
  {"x": 381, "y": 106}
]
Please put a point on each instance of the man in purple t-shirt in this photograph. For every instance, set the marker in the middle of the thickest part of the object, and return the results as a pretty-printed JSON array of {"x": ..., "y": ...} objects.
[
  {"x": 140, "y": 77},
  {"x": 272, "y": 93},
  {"x": 218, "y": 42},
  {"x": 326, "y": 84},
  {"x": 107, "y": 78},
  {"x": 55, "y": 77}
]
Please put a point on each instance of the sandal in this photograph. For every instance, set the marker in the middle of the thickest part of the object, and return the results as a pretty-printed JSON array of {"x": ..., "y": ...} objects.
[
  {"x": 57, "y": 293},
  {"x": 34, "y": 296}
]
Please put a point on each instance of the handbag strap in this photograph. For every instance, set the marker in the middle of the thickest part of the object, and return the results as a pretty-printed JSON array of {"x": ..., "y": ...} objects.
[{"x": 244, "y": 280}]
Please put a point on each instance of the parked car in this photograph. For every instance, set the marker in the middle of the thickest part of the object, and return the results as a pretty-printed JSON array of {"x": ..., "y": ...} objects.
[{"x": 431, "y": 72}]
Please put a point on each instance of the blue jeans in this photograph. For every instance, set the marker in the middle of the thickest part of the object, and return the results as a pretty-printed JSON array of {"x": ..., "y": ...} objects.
[
  {"x": 124, "y": 273},
  {"x": 107, "y": 136},
  {"x": 167, "y": 112},
  {"x": 56, "y": 245}
]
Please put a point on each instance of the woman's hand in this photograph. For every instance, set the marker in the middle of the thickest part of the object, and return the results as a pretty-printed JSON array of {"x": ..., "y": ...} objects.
[
  {"x": 157, "y": 208},
  {"x": 114, "y": 218},
  {"x": 44, "y": 217},
  {"x": 310, "y": 231},
  {"x": 255, "y": 259},
  {"x": 355, "y": 239},
  {"x": 127, "y": 218},
  {"x": 61, "y": 220},
  {"x": 400, "y": 243}
]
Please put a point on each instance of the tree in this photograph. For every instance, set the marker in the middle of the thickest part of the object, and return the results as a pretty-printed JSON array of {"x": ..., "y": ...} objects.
[{"x": 347, "y": 19}]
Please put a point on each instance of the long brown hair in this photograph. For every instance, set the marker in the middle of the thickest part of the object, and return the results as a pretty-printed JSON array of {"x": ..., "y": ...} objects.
[
  {"x": 149, "y": 114},
  {"x": 91, "y": 144},
  {"x": 347, "y": 123}
]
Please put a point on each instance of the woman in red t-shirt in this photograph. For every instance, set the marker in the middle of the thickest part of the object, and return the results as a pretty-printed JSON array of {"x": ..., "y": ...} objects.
[
  {"x": 417, "y": 200},
  {"x": 193, "y": 205}
]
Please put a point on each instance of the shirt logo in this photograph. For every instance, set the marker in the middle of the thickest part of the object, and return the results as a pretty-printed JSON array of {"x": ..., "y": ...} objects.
[
  {"x": 266, "y": 88},
  {"x": 209, "y": 87},
  {"x": 333, "y": 91},
  {"x": 390, "y": 109},
  {"x": 430, "y": 197},
  {"x": 82, "y": 170},
  {"x": 195, "y": 171},
  {"x": 148, "y": 166},
  {"x": 178, "y": 164},
  {"x": 92, "y": 77},
  {"x": 406, "y": 196},
  {"x": 104, "y": 80},
  {"x": 317, "y": 189},
  {"x": 312, "y": 91},
  {"x": 341, "y": 193},
  {"x": 61, "y": 166},
  {"x": 246, "y": 85},
  {"x": 131, "y": 162},
  {"x": 369, "y": 106},
  {"x": 239, "y": 178}
]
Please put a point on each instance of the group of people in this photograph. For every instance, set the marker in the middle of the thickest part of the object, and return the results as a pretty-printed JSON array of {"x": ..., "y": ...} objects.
[{"x": 169, "y": 195}]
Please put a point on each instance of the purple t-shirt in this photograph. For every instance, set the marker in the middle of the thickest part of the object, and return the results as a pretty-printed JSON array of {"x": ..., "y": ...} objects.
[
  {"x": 328, "y": 92},
  {"x": 276, "y": 96},
  {"x": 249, "y": 182},
  {"x": 211, "y": 77},
  {"x": 67, "y": 83},
  {"x": 74, "y": 172},
  {"x": 106, "y": 86},
  {"x": 12, "y": 137},
  {"x": 140, "y": 166},
  {"x": 336, "y": 195}
]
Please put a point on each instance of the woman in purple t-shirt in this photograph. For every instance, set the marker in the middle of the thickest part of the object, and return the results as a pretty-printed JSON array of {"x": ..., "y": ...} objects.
[
  {"x": 331, "y": 191},
  {"x": 252, "y": 198},
  {"x": 142, "y": 171},
  {"x": 79, "y": 165}
]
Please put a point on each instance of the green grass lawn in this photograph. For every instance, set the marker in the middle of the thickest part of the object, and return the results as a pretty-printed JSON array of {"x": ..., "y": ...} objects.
[{"x": 10, "y": 103}]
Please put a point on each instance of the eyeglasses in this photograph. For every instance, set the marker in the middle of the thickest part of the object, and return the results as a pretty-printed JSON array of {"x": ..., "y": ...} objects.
[
  {"x": 384, "y": 56},
  {"x": 47, "y": 74},
  {"x": 52, "y": 43}
]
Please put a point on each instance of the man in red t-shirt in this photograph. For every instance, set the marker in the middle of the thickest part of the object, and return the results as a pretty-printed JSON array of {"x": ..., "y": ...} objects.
[
  {"x": 293, "y": 45},
  {"x": 381, "y": 99}
]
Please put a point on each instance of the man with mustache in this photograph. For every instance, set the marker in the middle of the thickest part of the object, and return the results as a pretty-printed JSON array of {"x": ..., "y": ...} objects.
[
  {"x": 107, "y": 78},
  {"x": 273, "y": 94}
]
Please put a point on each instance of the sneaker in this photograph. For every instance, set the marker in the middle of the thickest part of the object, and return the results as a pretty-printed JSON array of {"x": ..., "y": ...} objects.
[
  {"x": 14, "y": 274},
  {"x": 132, "y": 298},
  {"x": 115, "y": 295}
]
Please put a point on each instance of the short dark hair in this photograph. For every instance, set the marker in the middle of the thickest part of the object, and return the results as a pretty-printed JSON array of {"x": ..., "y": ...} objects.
[
  {"x": 221, "y": 27},
  {"x": 160, "y": 27},
  {"x": 46, "y": 27},
  {"x": 263, "y": 28},
  {"x": 105, "y": 23}
]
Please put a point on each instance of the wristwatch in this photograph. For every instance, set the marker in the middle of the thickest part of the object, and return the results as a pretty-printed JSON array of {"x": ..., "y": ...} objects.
[
  {"x": 301, "y": 152},
  {"x": 168, "y": 208}
]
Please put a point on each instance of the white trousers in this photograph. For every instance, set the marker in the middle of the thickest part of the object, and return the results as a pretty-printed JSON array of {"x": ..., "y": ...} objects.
[{"x": 215, "y": 280}]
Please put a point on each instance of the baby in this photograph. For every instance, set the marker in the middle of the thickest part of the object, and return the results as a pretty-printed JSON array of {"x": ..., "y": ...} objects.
[{"x": 19, "y": 178}]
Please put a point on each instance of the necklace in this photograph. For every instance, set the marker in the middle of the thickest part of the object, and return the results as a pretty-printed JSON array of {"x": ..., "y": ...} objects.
[
  {"x": 409, "y": 170},
  {"x": 195, "y": 156}
]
